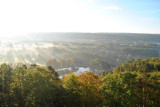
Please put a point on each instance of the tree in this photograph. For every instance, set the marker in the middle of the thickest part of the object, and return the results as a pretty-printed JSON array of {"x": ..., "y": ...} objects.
[
  {"x": 85, "y": 88},
  {"x": 5, "y": 80},
  {"x": 37, "y": 87},
  {"x": 90, "y": 86},
  {"x": 131, "y": 89},
  {"x": 71, "y": 85},
  {"x": 53, "y": 71}
]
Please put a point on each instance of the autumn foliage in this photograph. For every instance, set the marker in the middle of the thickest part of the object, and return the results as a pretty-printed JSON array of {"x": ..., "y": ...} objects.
[{"x": 127, "y": 86}]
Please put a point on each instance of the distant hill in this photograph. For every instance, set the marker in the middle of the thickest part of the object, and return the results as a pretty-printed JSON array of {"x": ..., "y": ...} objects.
[
  {"x": 82, "y": 37},
  {"x": 140, "y": 65}
]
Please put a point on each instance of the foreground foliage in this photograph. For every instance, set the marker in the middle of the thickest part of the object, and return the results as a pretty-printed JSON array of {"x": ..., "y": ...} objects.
[{"x": 128, "y": 85}]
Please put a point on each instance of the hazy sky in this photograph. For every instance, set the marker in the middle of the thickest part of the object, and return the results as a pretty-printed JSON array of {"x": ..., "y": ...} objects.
[{"x": 139, "y": 16}]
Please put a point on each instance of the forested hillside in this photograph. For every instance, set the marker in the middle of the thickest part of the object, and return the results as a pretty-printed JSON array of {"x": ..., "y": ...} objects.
[
  {"x": 140, "y": 65},
  {"x": 133, "y": 84}
]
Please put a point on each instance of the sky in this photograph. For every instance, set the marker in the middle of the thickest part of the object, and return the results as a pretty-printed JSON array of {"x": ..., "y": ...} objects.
[{"x": 131, "y": 16}]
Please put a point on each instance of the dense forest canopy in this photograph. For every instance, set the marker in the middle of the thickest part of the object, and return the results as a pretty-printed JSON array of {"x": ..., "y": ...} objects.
[{"x": 130, "y": 84}]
